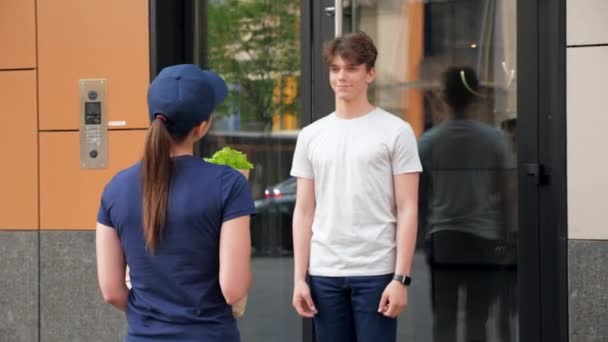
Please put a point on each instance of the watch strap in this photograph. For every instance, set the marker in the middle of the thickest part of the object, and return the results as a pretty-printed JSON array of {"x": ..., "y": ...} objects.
[{"x": 402, "y": 278}]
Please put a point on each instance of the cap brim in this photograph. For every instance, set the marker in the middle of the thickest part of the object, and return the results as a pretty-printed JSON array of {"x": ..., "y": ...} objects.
[{"x": 220, "y": 90}]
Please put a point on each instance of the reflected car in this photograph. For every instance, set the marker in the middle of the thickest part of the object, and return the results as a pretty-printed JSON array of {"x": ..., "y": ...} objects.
[
  {"x": 281, "y": 197},
  {"x": 271, "y": 227}
]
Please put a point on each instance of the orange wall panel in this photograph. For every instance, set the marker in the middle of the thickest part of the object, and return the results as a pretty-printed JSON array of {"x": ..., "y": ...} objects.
[
  {"x": 69, "y": 195},
  {"x": 92, "y": 39},
  {"x": 19, "y": 151},
  {"x": 414, "y": 101},
  {"x": 17, "y": 34}
]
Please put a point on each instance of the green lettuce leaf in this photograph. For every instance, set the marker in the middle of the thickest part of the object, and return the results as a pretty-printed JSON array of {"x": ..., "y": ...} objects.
[{"x": 231, "y": 157}]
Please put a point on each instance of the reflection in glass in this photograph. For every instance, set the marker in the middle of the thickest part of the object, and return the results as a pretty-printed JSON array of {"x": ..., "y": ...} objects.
[
  {"x": 464, "y": 206},
  {"x": 255, "y": 46},
  {"x": 465, "y": 265}
]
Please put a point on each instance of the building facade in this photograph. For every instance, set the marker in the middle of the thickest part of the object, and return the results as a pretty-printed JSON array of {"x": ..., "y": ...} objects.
[{"x": 73, "y": 79}]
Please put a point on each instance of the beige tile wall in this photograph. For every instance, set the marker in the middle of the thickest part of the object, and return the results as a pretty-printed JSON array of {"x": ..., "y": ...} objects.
[
  {"x": 587, "y": 22},
  {"x": 587, "y": 119}
]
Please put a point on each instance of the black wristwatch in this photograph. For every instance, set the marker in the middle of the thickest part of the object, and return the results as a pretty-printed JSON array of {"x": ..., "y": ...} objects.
[{"x": 402, "y": 279}]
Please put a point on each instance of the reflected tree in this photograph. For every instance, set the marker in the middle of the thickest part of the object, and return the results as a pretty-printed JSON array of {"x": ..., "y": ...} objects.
[{"x": 254, "y": 45}]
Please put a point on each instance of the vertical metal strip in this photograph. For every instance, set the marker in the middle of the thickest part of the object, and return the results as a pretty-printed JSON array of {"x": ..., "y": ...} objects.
[
  {"x": 353, "y": 16},
  {"x": 338, "y": 17}
]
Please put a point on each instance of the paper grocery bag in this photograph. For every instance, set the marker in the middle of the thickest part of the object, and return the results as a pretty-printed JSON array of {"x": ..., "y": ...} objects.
[
  {"x": 127, "y": 278},
  {"x": 238, "y": 308}
]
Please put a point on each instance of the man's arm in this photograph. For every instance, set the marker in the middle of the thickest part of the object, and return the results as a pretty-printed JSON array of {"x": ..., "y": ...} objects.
[
  {"x": 302, "y": 232},
  {"x": 406, "y": 199},
  {"x": 302, "y": 226},
  {"x": 394, "y": 298}
]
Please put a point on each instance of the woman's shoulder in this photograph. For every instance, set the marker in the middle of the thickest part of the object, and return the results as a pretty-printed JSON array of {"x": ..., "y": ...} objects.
[
  {"x": 216, "y": 169},
  {"x": 123, "y": 180},
  {"x": 204, "y": 170},
  {"x": 231, "y": 175},
  {"x": 129, "y": 174}
]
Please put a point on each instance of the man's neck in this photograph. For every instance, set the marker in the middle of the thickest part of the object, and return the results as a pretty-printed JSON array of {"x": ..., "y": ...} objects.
[{"x": 353, "y": 109}]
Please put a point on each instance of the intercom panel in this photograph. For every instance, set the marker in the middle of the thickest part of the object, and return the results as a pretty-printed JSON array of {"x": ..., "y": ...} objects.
[{"x": 93, "y": 124}]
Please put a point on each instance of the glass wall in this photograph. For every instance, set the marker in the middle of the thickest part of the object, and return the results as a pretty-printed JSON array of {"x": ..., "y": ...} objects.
[
  {"x": 465, "y": 265},
  {"x": 255, "y": 46}
]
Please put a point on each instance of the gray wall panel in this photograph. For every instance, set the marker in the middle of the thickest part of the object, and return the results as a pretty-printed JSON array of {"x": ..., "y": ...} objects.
[
  {"x": 71, "y": 305},
  {"x": 19, "y": 286},
  {"x": 588, "y": 288}
]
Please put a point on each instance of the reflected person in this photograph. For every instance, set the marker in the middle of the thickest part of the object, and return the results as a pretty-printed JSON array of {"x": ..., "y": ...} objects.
[{"x": 463, "y": 201}]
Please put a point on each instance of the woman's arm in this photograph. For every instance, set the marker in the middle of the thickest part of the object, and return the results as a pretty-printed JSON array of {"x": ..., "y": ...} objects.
[
  {"x": 235, "y": 258},
  {"x": 111, "y": 267}
]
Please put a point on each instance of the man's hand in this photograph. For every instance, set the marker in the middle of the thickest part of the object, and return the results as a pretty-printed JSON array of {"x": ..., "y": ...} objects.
[
  {"x": 394, "y": 300},
  {"x": 302, "y": 300}
]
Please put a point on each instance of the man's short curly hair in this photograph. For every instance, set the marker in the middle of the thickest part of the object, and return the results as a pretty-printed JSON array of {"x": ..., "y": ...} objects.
[{"x": 355, "y": 47}]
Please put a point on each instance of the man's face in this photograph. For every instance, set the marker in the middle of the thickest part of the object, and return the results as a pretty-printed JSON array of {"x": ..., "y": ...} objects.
[{"x": 348, "y": 80}]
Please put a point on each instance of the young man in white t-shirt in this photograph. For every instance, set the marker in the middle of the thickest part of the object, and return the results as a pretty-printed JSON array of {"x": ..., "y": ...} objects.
[{"x": 356, "y": 214}]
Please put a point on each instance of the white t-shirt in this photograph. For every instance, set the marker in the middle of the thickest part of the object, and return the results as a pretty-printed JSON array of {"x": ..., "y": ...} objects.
[{"x": 352, "y": 162}]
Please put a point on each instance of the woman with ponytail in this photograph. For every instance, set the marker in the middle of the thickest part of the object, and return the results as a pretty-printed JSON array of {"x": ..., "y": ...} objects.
[{"x": 180, "y": 223}]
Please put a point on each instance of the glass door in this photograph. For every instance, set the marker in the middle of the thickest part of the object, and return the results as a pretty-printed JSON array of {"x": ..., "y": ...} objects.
[
  {"x": 465, "y": 269},
  {"x": 255, "y": 46}
]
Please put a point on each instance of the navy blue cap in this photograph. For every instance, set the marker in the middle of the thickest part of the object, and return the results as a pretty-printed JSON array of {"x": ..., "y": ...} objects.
[{"x": 185, "y": 95}]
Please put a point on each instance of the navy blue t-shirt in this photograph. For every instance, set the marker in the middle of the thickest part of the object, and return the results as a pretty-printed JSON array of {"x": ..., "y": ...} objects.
[{"x": 175, "y": 293}]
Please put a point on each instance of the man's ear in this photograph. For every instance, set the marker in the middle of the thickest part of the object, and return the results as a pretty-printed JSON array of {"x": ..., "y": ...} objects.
[{"x": 371, "y": 75}]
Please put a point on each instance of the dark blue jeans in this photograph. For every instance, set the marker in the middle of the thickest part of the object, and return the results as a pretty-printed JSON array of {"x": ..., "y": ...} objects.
[{"x": 348, "y": 309}]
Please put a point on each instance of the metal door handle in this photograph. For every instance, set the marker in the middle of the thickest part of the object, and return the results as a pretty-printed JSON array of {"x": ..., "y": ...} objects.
[
  {"x": 538, "y": 172},
  {"x": 336, "y": 11}
]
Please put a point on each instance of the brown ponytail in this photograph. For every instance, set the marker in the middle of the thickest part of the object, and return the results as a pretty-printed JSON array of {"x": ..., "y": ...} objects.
[{"x": 157, "y": 168}]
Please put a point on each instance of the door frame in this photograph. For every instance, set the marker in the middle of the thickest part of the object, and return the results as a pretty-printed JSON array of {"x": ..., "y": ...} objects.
[{"x": 541, "y": 55}]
